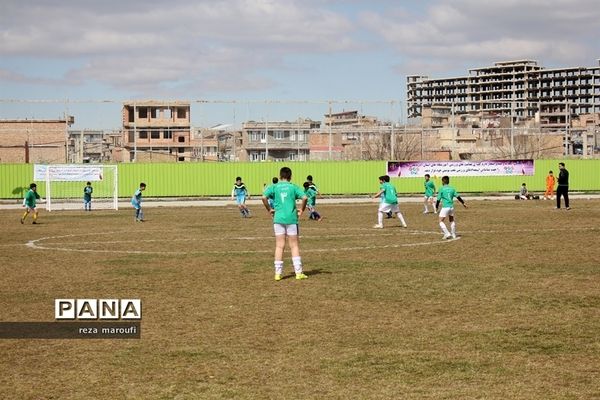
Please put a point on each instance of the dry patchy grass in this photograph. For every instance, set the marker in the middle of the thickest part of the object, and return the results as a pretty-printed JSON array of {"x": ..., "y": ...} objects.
[{"x": 509, "y": 311}]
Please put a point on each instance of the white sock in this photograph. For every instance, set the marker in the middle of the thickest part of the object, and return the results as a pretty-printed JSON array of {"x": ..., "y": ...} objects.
[
  {"x": 453, "y": 227},
  {"x": 434, "y": 208},
  {"x": 278, "y": 267},
  {"x": 297, "y": 261},
  {"x": 401, "y": 218},
  {"x": 444, "y": 229},
  {"x": 426, "y": 208},
  {"x": 380, "y": 218}
]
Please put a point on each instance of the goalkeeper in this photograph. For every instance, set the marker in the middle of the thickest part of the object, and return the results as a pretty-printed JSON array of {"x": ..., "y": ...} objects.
[{"x": 30, "y": 203}]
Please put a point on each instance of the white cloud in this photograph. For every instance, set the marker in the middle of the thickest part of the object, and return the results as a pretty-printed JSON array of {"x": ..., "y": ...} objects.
[
  {"x": 132, "y": 45},
  {"x": 479, "y": 32}
]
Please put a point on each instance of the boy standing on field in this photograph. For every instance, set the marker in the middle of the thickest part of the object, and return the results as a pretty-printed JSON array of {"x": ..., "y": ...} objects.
[
  {"x": 550, "y": 182},
  {"x": 446, "y": 196},
  {"x": 285, "y": 220},
  {"x": 30, "y": 203},
  {"x": 87, "y": 196},
  {"x": 389, "y": 203},
  {"x": 136, "y": 202},
  {"x": 429, "y": 192}
]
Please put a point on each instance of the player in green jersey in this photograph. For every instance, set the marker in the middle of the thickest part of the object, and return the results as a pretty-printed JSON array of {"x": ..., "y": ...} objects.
[
  {"x": 30, "y": 203},
  {"x": 446, "y": 196},
  {"x": 311, "y": 202},
  {"x": 285, "y": 219},
  {"x": 429, "y": 193},
  {"x": 390, "y": 201}
]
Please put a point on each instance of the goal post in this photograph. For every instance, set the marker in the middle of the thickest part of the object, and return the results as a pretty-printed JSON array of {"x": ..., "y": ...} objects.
[{"x": 64, "y": 183}]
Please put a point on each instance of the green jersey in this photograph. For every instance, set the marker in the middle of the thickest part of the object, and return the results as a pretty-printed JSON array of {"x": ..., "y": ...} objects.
[
  {"x": 389, "y": 193},
  {"x": 30, "y": 198},
  {"x": 429, "y": 188},
  {"x": 446, "y": 195},
  {"x": 284, "y": 195},
  {"x": 311, "y": 195}
]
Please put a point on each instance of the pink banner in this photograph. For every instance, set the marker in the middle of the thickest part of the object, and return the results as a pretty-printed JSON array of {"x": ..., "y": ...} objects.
[{"x": 410, "y": 169}]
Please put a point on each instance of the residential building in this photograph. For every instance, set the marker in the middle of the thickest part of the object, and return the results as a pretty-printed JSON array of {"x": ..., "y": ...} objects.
[
  {"x": 93, "y": 146},
  {"x": 521, "y": 89},
  {"x": 348, "y": 135},
  {"x": 277, "y": 140},
  {"x": 34, "y": 141}
]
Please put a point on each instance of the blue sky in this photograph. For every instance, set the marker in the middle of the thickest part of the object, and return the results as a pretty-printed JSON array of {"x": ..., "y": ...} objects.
[{"x": 267, "y": 50}]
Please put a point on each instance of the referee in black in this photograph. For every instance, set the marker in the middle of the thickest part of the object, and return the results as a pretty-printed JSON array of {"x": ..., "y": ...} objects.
[{"x": 563, "y": 186}]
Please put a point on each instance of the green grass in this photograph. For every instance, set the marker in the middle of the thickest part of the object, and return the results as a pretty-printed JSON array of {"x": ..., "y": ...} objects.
[{"x": 509, "y": 311}]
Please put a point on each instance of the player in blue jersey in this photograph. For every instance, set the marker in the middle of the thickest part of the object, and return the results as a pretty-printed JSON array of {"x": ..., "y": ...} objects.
[
  {"x": 240, "y": 194},
  {"x": 136, "y": 202}
]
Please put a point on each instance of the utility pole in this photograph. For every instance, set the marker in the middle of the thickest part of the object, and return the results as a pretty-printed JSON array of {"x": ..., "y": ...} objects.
[
  {"x": 566, "y": 146},
  {"x": 134, "y": 132},
  {"x": 267, "y": 138},
  {"x": 512, "y": 129},
  {"x": 330, "y": 134},
  {"x": 393, "y": 136}
]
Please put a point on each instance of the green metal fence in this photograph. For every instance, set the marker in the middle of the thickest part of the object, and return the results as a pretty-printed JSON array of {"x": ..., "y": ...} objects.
[{"x": 347, "y": 178}]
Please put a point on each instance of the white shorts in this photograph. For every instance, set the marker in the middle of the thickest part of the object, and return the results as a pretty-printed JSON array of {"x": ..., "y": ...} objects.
[
  {"x": 447, "y": 212},
  {"x": 386, "y": 208},
  {"x": 428, "y": 198},
  {"x": 283, "y": 229}
]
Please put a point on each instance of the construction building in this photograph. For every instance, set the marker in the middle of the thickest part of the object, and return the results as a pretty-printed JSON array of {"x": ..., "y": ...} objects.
[
  {"x": 521, "y": 89},
  {"x": 156, "y": 131}
]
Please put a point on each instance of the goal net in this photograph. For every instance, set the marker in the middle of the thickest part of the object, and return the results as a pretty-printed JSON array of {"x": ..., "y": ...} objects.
[{"x": 64, "y": 186}]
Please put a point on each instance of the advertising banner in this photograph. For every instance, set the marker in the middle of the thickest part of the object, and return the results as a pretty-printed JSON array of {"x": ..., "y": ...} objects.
[
  {"x": 408, "y": 169},
  {"x": 67, "y": 173}
]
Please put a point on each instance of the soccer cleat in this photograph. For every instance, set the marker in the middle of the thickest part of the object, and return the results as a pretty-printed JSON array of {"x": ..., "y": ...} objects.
[
  {"x": 405, "y": 226},
  {"x": 426, "y": 212},
  {"x": 35, "y": 223},
  {"x": 378, "y": 226},
  {"x": 301, "y": 276},
  {"x": 278, "y": 277},
  {"x": 446, "y": 237},
  {"x": 454, "y": 236},
  {"x": 22, "y": 221}
]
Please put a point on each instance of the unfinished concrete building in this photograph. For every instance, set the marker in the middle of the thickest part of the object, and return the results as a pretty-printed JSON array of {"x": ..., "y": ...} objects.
[
  {"x": 157, "y": 131},
  {"x": 521, "y": 89}
]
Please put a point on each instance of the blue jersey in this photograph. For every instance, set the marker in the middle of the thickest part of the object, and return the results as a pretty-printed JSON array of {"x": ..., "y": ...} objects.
[
  {"x": 239, "y": 192},
  {"x": 136, "y": 200},
  {"x": 87, "y": 193}
]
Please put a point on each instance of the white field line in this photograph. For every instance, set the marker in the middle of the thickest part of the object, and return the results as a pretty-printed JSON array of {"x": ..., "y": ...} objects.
[{"x": 36, "y": 243}]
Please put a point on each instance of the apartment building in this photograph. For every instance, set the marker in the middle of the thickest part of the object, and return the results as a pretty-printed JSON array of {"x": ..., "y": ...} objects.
[
  {"x": 34, "y": 141},
  {"x": 349, "y": 135},
  {"x": 521, "y": 89},
  {"x": 277, "y": 140},
  {"x": 93, "y": 146}
]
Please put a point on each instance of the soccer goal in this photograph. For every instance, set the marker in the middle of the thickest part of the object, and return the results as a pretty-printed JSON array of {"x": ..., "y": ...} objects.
[{"x": 64, "y": 186}]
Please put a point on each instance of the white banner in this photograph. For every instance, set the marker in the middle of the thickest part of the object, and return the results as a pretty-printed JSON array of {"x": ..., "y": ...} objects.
[{"x": 67, "y": 173}]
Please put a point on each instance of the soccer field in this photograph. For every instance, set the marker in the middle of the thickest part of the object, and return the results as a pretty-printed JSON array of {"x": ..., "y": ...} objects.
[{"x": 509, "y": 310}]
